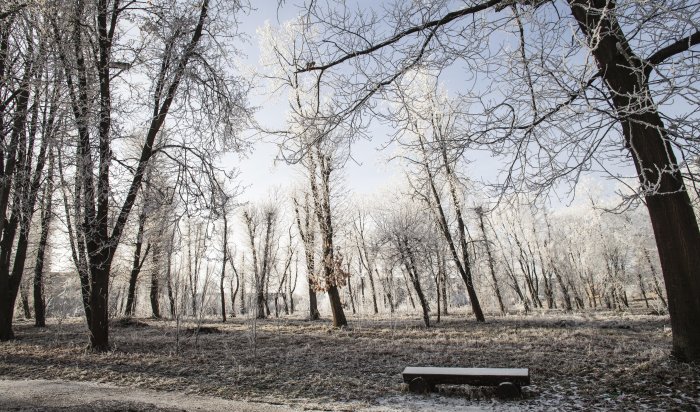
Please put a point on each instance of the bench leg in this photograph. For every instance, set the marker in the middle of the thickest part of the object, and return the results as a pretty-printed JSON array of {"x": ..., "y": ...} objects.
[
  {"x": 420, "y": 385},
  {"x": 508, "y": 390}
]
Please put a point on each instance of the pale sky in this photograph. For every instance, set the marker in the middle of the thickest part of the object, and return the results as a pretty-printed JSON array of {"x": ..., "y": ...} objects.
[
  {"x": 369, "y": 171},
  {"x": 366, "y": 172}
]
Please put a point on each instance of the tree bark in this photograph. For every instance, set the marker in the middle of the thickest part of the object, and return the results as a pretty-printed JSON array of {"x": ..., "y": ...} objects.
[
  {"x": 667, "y": 200},
  {"x": 46, "y": 216},
  {"x": 136, "y": 265},
  {"x": 223, "y": 266},
  {"x": 155, "y": 276}
]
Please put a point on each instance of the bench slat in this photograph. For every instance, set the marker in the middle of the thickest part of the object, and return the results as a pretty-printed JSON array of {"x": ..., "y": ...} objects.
[{"x": 468, "y": 376}]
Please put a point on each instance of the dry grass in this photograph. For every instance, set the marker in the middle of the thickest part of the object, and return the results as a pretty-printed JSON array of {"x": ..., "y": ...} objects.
[{"x": 580, "y": 361}]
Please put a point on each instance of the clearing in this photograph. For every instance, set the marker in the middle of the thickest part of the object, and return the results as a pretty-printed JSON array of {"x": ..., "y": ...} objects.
[{"x": 590, "y": 360}]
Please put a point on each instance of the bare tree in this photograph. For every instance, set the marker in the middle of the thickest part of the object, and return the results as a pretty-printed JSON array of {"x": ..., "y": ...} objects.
[
  {"x": 261, "y": 224},
  {"x": 430, "y": 125},
  {"x": 94, "y": 53},
  {"x": 631, "y": 58},
  {"x": 407, "y": 236},
  {"x": 139, "y": 260},
  {"x": 487, "y": 246},
  {"x": 46, "y": 219},
  {"x": 30, "y": 118},
  {"x": 366, "y": 254},
  {"x": 307, "y": 231}
]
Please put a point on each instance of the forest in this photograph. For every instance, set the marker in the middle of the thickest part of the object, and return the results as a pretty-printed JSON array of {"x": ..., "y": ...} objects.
[{"x": 536, "y": 204}]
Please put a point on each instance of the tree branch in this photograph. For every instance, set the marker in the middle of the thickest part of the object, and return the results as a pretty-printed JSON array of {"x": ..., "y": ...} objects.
[
  {"x": 671, "y": 50},
  {"x": 449, "y": 17}
]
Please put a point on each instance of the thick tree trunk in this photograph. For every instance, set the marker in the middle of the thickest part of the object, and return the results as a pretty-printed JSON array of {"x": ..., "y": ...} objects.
[
  {"x": 670, "y": 210},
  {"x": 314, "y": 314},
  {"x": 336, "y": 307},
  {"x": 99, "y": 322},
  {"x": 322, "y": 205}
]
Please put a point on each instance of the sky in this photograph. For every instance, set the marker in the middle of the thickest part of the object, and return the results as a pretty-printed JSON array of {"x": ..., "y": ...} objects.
[
  {"x": 367, "y": 172},
  {"x": 261, "y": 170}
]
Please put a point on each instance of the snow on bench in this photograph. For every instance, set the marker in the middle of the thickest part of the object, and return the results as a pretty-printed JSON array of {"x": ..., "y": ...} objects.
[{"x": 508, "y": 380}]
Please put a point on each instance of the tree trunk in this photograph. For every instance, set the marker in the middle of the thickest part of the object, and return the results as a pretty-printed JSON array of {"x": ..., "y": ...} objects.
[
  {"x": 408, "y": 290},
  {"x": 169, "y": 274},
  {"x": 409, "y": 263},
  {"x": 234, "y": 292},
  {"x": 323, "y": 214},
  {"x": 99, "y": 296},
  {"x": 308, "y": 238},
  {"x": 136, "y": 265},
  {"x": 564, "y": 289},
  {"x": 487, "y": 245},
  {"x": 155, "y": 278},
  {"x": 242, "y": 281},
  {"x": 223, "y": 268},
  {"x": 9, "y": 286},
  {"x": 670, "y": 210},
  {"x": 26, "y": 309},
  {"x": 46, "y": 216},
  {"x": 463, "y": 264},
  {"x": 657, "y": 288},
  {"x": 336, "y": 307},
  {"x": 352, "y": 298}
]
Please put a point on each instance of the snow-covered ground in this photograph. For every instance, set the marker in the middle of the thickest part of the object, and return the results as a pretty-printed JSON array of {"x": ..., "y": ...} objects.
[{"x": 584, "y": 361}]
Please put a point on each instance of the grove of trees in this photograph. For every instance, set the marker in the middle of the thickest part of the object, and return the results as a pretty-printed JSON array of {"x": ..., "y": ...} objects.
[{"x": 118, "y": 120}]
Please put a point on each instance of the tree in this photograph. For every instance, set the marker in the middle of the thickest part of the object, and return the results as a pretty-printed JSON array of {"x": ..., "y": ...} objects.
[
  {"x": 307, "y": 232},
  {"x": 177, "y": 47},
  {"x": 366, "y": 254},
  {"x": 30, "y": 118},
  {"x": 46, "y": 218},
  {"x": 561, "y": 104},
  {"x": 433, "y": 126},
  {"x": 261, "y": 225},
  {"x": 139, "y": 260},
  {"x": 320, "y": 166},
  {"x": 487, "y": 246},
  {"x": 310, "y": 144},
  {"x": 407, "y": 236}
]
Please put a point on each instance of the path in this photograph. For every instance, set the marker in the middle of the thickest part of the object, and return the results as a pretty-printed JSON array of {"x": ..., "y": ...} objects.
[{"x": 54, "y": 395}]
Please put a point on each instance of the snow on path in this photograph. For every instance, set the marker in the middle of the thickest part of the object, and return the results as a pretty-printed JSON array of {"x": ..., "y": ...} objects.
[
  {"x": 28, "y": 395},
  {"x": 69, "y": 396}
]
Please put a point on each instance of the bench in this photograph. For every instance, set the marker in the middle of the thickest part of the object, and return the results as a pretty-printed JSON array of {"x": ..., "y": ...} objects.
[{"x": 507, "y": 380}]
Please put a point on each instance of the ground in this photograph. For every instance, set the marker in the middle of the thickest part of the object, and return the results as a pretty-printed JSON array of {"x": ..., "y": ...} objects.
[{"x": 584, "y": 361}]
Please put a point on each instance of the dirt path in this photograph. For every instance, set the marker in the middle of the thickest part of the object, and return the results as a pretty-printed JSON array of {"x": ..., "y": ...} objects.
[
  {"x": 67, "y": 396},
  {"x": 55, "y": 395}
]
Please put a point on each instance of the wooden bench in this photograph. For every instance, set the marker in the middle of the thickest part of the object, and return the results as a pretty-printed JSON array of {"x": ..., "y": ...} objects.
[{"x": 508, "y": 380}]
